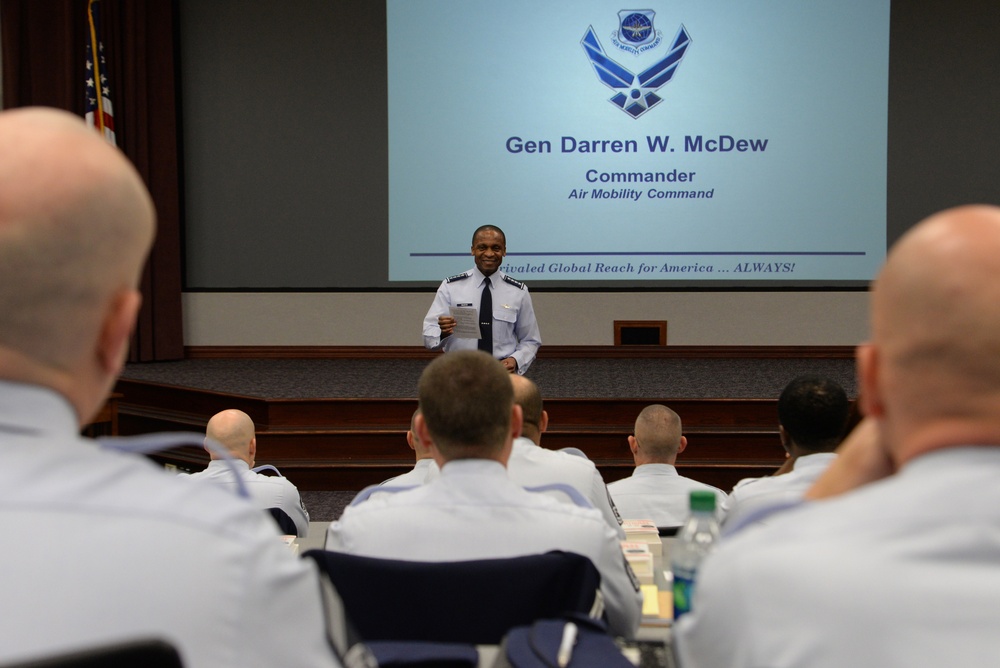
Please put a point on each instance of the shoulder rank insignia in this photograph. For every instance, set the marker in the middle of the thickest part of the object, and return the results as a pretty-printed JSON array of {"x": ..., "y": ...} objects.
[
  {"x": 458, "y": 277},
  {"x": 517, "y": 284}
]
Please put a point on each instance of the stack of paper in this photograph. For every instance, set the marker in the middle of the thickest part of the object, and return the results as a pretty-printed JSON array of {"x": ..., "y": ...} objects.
[
  {"x": 644, "y": 531},
  {"x": 640, "y": 559}
]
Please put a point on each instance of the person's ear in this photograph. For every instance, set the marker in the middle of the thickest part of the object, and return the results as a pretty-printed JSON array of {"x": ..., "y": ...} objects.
[
  {"x": 543, "y": 424},
  {"x": 682, "y": 445},
  {"x": 112, "y": 345},
  {"x": 869, "y": 394},
  {"x": 633, "y": 444},
  {"x": 253, "y": 449},
  {"x": 420, "y": 425}
]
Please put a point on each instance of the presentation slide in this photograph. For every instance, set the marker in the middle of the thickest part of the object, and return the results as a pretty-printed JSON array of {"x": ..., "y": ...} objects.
[{"x": 670, "y": 141}]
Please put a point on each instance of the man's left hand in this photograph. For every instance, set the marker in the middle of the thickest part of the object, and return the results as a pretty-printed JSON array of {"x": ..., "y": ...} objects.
[{"x": 510, "y": 364}]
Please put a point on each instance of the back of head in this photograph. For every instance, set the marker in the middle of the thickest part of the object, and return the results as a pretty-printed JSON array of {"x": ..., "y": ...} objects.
[
  {"x": 76, "y": 223},
  {"x": 466, "y": 400},
  {"x": 813, "y": 410},
  {"x": 936, "y": 328},
  {"x": 529, "y": 398},
  {"x": 234, "y": 430},
  {"x": 658, "y": 430}
]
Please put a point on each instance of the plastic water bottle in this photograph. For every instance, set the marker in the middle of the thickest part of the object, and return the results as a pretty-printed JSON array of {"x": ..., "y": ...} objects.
[{"x": 697, "y": 538}]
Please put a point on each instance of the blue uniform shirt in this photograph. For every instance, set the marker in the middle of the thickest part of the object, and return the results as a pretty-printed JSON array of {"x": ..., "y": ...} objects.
[{"x": 515, "y": 330}]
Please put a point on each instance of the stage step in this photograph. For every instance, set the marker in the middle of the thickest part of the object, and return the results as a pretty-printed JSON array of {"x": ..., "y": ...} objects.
[{"x": 346, "y": 444}]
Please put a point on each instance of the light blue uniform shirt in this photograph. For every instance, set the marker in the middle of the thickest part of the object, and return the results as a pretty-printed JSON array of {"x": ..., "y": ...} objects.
[
  {"x": 515, "y": 330},
  {"x": 103, "y": 547},
  {"x": 474, "y": 511},
  {"x": 266, "y": 491},
  {"x": 657, "y": 492},
  {"x": 899, "y": 573}
]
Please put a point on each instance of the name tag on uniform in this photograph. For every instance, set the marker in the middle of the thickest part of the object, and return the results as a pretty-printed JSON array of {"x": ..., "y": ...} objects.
[{"x": 463, "y": 305}]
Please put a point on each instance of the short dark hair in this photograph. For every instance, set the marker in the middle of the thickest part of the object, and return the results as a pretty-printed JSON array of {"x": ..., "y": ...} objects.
[
  {"x": 466, "y": 399},
  {"x": 813, "y": 410},
  {"x": 488, "y": 228}
]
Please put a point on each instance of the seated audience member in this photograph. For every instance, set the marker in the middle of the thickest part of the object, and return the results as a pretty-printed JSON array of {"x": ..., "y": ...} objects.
[
  {"x": 234, "y": 430},
  {"x": 473, "y": 510},
  {"x": 531, "y": 465},
  {"x": 812, "y": 414},
  {"x": 104, "y": 547},
  {"x": 425, "y": 469},
  {"x": 897, "y": 561},
  {"x": 655, "y": 491}
]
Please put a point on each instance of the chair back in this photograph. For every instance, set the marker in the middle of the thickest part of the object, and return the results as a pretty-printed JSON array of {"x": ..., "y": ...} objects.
[
  {"x": 151, "y": 653},
  {"x": 474, "y": 601},
  {"x": 285, "y": 523}
]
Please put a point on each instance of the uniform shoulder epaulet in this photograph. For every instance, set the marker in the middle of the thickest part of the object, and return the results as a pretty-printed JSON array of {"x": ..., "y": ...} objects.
[
  {"x": 571, "y": 493},
  {"x": 458, "y": 277},
  {"x": 513, "y": 281}
]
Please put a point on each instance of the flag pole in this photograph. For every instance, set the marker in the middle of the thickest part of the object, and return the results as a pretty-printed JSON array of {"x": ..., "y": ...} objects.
[{"x": 95, "y": 56}]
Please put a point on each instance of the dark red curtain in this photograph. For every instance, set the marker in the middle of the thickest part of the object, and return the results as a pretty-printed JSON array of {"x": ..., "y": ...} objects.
[{"x": 44, "y": 64}]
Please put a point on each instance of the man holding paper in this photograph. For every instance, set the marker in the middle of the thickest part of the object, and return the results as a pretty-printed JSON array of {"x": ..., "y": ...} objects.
[{"x": 485, "y": 309}]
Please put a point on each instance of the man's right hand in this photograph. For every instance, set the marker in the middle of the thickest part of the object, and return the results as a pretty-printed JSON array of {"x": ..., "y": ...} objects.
[
  {"x": 861, "y": 459},
  {"x": 447, "y": 325}
]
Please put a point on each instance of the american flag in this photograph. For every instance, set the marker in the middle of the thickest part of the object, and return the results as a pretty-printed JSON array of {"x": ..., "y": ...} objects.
[{"x": 99, "y": 114}]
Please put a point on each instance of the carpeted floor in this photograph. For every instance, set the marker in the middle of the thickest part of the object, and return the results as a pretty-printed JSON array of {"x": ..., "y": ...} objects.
[
  {"x": 557, "y": 378},
  {"x": 325, "y": 506}
]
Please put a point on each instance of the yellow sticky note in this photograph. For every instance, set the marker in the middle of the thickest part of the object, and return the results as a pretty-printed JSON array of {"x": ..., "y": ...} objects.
[{"x": 650, "y": 601}]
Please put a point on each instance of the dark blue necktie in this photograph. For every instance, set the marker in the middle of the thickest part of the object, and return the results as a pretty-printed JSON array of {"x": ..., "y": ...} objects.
[{"x": 486, "y": 319}]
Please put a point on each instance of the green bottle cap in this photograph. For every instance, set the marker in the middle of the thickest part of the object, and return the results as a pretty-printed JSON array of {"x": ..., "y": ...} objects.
[{"x": 703, "y": 501}]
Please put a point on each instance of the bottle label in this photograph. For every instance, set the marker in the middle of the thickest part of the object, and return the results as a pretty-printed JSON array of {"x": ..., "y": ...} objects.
[{"x": 683, "y": 592}]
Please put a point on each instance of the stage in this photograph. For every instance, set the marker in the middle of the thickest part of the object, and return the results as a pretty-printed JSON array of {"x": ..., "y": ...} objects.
[{"x": 335, "y": 425}]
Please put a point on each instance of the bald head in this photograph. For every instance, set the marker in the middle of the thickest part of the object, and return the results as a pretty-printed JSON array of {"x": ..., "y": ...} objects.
[
  {"x": 235, "y": 431},
  {"x": 658, "y": 435},
  {"x": 935, "y": 312},
  {"x": 76, "y": 223}
]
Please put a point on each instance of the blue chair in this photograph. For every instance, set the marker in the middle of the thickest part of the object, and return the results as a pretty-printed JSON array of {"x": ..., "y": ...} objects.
[{"x": 473, "y": 602}]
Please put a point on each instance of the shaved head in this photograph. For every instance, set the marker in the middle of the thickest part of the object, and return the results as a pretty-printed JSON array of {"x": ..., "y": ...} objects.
[
  {"x": 235, "y": 430},
  {"x": 935, "y": 311},
  {"x": 658, "y": 430},
  {"x": 76, "y": 223}
]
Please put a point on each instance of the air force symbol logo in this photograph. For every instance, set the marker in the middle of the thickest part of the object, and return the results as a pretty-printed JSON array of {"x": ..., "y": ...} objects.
[{"x": 635, "y": 94}]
